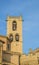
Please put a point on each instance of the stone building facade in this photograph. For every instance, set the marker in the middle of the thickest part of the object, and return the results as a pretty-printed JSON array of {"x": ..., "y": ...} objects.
[{"x": 11, "y": 45}]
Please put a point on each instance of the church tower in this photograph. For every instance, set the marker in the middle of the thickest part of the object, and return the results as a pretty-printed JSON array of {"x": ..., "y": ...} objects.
[{"x": 14, "y": 33}]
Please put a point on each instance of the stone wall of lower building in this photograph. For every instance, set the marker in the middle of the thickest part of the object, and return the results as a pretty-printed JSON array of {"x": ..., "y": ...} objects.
[{"x": 30, "y": 59}]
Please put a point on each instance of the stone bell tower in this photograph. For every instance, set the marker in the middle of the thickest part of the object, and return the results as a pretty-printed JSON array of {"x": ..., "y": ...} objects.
[{"x": 14, "y": 33}]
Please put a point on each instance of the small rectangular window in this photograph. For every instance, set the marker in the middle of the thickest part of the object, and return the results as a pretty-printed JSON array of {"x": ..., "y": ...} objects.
[
  {"x": 4, "y": 64},
  {"x": 38, "y": 59},
  {"x": 9, "y": 47}
]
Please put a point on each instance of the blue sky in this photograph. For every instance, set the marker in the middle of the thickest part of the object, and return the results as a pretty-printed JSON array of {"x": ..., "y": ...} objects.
[{"x": 29, "y": 10}]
